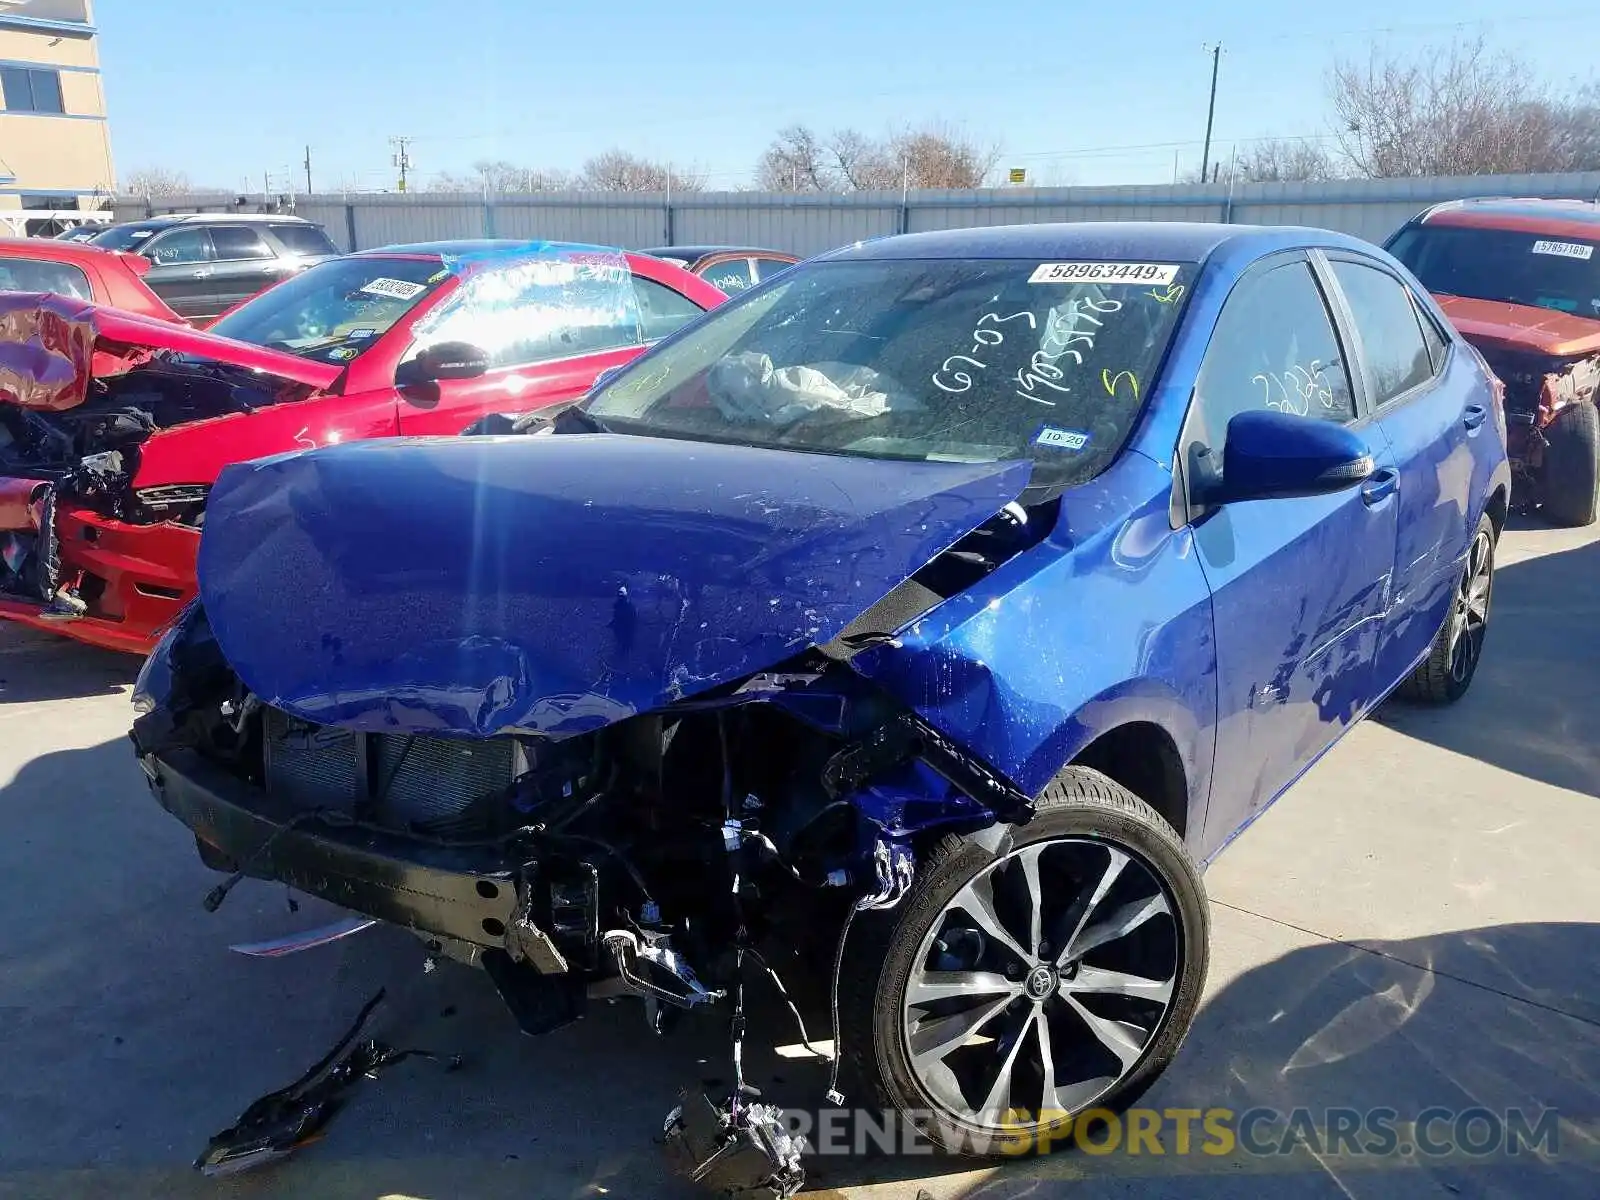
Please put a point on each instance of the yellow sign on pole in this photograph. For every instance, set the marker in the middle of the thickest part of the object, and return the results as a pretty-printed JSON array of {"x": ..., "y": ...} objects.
[{"x": 1019, "y": 174}]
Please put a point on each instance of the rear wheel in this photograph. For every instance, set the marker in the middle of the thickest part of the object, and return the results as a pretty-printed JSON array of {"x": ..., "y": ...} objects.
[
  {"x": 1033, "y": 972},
  {"x": 1571, "y": 483},
  {"x": 1446, "y": 674}
]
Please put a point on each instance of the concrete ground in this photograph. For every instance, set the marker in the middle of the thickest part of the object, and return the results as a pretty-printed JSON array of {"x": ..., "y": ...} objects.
[{"x": 1416, "y": 924}]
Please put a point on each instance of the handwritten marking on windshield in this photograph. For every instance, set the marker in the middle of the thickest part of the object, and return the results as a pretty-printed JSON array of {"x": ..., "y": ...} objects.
[
  {"x": 1171, "y": 295},
  {"x": 981, "y": 337},
  {"x": 1111, "y": 381},
  {"x": 1061, "y": 335}
]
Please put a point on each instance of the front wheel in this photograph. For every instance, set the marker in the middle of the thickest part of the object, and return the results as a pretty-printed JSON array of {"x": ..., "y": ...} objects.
[
  {"x": 1570, "y": 489},
  {"x": 1032, "y": 973},
  {"x": 1446, "y": 674}
]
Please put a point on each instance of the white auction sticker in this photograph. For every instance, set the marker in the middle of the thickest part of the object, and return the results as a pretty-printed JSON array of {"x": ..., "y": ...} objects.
[
  {"x": 1158, "y": 274},
  {"x": 1564, "y": 249},
  {"x": 395, "y": 289}
]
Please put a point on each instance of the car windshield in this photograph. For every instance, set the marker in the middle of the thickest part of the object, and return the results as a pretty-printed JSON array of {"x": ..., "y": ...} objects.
[
  {"x": 929, "y": 359},
  {"x": 125, "y": 237},
  {"x": 1560, "y": 273},
  {"x": 334, "y": 311}
]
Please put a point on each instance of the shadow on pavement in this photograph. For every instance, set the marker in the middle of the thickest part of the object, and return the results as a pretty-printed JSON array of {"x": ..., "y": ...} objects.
[
  {"x": 41, "y": 666},
  {"x": 1531, "y": 709},
  {"x": 131, "y": 1035}
]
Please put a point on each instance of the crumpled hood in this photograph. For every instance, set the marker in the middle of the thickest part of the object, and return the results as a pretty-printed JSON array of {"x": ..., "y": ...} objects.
[
  {"x": 51, "y": 346},
  {"x": 1499, "y": 325},
  {"x": 554, "y": 584}
]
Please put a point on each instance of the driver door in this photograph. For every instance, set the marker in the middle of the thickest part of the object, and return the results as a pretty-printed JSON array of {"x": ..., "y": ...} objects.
[{"x": 1300, "y": 586}]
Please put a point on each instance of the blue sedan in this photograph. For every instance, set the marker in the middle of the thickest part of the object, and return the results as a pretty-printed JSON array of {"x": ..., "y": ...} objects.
[{"x": 923, "y": 619}]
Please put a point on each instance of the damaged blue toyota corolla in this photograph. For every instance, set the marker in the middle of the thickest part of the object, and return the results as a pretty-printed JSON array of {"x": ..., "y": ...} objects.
[{"x": 914, "y": 623}]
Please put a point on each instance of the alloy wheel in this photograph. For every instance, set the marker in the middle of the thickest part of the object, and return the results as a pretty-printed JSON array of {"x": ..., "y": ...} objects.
[
  {"x": 1469, "y": 614},
  {"x": 1041, "y": 983}
]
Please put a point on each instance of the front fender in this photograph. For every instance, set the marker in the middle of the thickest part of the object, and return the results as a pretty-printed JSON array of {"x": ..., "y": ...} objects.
[{"x": 1105, "y": 622}]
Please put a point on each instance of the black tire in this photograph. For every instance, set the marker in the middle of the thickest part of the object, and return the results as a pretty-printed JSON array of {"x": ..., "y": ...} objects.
[
  {"x": 1081, "y": 813},
  {"x": 1444, "y": 676},
  {"x": 1570, "y": 484}
]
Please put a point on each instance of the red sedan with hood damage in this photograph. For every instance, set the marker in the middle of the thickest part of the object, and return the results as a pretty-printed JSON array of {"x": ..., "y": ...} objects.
[
  {"x": 114, "y": 426},
  {"x": 1521, "y": 280}
]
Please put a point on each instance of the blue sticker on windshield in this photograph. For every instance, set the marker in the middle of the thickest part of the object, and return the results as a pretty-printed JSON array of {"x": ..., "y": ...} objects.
[
  {"x": 1061, "y": 439},
  {"x": 355, "y": 335}
]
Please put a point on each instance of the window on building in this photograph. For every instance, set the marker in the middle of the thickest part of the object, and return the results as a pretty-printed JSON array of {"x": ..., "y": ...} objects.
[
  {"x": 48, "y": 203},
  {"x": 31, "y": 89}
]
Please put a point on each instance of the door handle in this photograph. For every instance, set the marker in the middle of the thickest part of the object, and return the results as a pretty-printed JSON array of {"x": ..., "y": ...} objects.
[
  {"x": 1380, "y": 485},
  {"x": 202, "y": 273},
  {"x": 1474, "y": 415}
]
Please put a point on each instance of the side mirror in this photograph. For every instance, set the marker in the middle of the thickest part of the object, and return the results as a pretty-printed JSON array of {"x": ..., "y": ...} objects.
[
  {"x": 444, "y": 360},
  {"x": 1270, "y": 455}
]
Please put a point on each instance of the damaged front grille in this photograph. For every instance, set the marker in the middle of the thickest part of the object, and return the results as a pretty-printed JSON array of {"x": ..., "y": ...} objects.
[{"x": 404, "y": 781}]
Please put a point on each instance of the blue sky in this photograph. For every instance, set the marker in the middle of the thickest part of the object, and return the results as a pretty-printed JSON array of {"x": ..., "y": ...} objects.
[{"x": 1077, "y": 93}]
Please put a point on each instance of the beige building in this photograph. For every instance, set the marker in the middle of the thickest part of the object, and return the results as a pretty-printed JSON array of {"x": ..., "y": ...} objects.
[{"x": 55, "y": 143}]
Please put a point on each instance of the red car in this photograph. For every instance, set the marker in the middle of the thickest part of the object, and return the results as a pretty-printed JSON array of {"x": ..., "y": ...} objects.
[
  {"x": 90, "y": 273},
  {"x": 113, "y": 426},
  {"x": 1521, "y": 280}
]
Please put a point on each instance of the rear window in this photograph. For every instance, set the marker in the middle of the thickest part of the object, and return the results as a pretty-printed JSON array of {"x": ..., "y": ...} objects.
[
  {"x": 1560, "y": 273},
  {"x": 25, "y": 275},
  {"x": 303, "y": 239}
]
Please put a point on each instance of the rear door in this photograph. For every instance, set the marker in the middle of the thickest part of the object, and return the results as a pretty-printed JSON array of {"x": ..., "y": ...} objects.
[
  {"x": 245, "y": 264},
  {"x": 1433, "y": 406},
  {"x": 182, "y": 263},
  {"x": 1299, "y": 585},
  {"x": 551, "y": 354}
]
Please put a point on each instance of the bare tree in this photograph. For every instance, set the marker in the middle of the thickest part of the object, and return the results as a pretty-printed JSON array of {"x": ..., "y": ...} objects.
[
  {"x": 797, "y": 161},
  {"x": 1285, "y": 159},
  {"x": 499, "y": 176},
  {"x": 156, "y": 181},
  {"x": 619, "y": 171},
  {"x": 936, "y": 156},
  {"x": 1460, "y": 109},
  {"x": 850, "y": 161}
]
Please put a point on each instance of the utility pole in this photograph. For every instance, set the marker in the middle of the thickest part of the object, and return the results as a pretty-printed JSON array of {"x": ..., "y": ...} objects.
[
  {"x": 1211, "y": 110},
  {"x": 402, "y": 157},
  {"x": 308, "y": 170}
]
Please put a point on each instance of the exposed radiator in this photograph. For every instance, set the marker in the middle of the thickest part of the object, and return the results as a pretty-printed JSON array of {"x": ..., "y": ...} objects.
[{"x": 395, "y": 779}]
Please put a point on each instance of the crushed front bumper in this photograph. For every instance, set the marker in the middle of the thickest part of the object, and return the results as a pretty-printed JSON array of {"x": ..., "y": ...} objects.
[
  {"x": 134, "y": 579},
  {"x": 466, "y": 894}
]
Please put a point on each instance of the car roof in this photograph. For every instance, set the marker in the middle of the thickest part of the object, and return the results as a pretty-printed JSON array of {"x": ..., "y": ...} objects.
[
  {"x": 51, "y": 250},
  {"x": 1161, "y": 241},
  {"x": 468, "y": 246},
  {"x": 692, "y": 253},
  {"x": 168, "y": 220},
  {"x": 1521, "y": 214}
]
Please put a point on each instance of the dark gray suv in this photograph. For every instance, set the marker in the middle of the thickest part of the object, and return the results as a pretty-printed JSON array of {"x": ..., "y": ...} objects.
[{"x": 202, "y": 264}]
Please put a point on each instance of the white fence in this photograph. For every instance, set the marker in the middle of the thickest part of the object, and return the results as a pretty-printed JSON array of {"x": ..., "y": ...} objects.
[{"x": 810, "y": 224}]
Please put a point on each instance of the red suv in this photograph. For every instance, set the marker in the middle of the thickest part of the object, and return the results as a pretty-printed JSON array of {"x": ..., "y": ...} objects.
[
  {"x": 1521, "y": 280},
  {"x": 113, "y": 426}
]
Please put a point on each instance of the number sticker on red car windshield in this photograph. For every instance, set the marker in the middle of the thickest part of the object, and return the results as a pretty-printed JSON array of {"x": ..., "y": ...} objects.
[
  {"x": 1105, "y": 272},
  {"x": 395, "y": 289},
  {"x": 1564, "y": 249}
]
